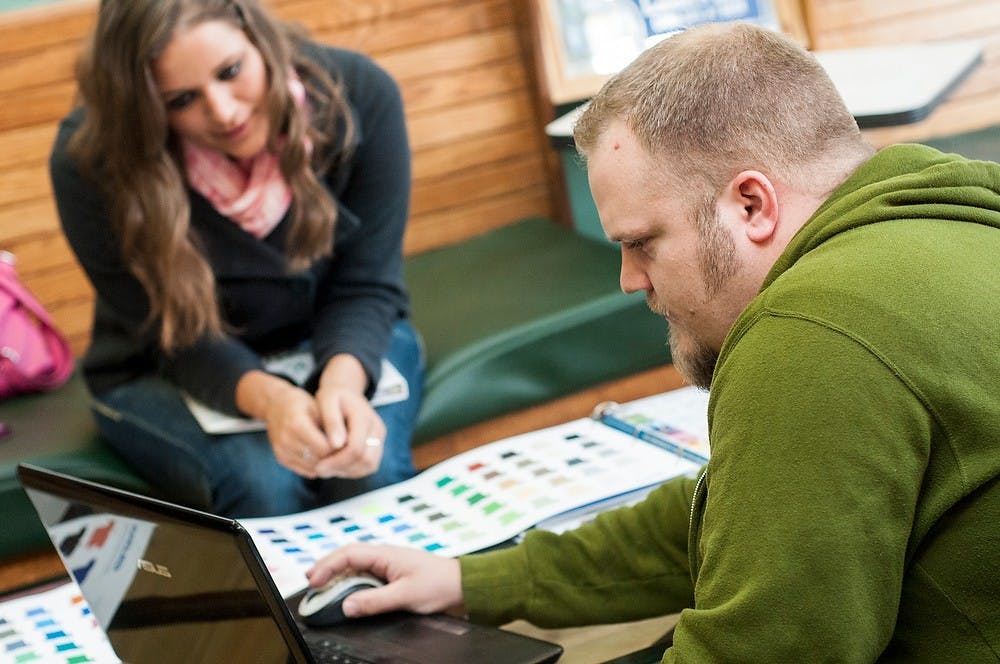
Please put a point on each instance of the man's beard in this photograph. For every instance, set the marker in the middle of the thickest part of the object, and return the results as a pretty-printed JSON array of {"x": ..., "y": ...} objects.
[
  {"x": 718, "y": 262},
  {"x": 697, "y": 364}
]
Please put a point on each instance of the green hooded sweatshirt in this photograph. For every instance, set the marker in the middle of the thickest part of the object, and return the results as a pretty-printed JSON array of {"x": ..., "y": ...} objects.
[{"x": 851, "y": 508}]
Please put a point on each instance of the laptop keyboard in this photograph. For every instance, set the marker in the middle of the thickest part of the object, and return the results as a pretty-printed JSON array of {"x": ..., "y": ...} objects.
[{"x": 325, "y": 651}]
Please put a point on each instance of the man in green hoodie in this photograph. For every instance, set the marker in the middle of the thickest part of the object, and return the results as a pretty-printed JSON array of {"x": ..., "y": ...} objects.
[{"x": 843, "y": 306}]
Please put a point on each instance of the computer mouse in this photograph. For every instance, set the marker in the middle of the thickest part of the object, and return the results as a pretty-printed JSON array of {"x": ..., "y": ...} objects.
[{"x": 324, "y": 606}]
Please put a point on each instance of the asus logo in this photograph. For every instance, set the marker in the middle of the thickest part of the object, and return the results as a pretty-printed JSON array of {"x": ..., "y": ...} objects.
[{"x": 152, "y": 568}]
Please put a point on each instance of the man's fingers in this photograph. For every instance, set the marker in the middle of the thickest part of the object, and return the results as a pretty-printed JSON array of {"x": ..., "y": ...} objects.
[
  {"x": 371, "y": 601},
  {"x": 354, "y": 557}
]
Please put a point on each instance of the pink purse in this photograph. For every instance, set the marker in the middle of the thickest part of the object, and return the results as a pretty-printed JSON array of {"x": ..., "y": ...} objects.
[{"x": 34, "y": 355}]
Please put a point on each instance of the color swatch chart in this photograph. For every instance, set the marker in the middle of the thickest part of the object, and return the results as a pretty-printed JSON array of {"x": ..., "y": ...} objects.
[
  {"x": 52, "y": 626},
  {"x": 684, "y": 431},
  {"x": 473, "y": 500}
]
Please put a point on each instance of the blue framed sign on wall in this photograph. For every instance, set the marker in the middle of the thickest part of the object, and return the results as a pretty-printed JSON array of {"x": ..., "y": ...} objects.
[{"x": 587, "y": 40}]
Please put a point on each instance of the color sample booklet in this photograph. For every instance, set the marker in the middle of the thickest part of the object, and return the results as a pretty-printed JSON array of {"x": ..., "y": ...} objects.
[
  {"x": 657, "y": 420},
  {"x": 492, "y": 493},
  {"x": 49, "y": 625}
]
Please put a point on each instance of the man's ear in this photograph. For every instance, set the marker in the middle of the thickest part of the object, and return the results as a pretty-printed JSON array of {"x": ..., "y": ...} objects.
[{"x": 751, "y": 196}]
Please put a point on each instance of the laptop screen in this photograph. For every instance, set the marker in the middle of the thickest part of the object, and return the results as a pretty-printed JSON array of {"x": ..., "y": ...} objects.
[{"x": 163, "y": 590}]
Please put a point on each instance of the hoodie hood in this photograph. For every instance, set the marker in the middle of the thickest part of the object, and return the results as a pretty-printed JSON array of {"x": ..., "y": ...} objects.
[{"x": 901, "y": 182}]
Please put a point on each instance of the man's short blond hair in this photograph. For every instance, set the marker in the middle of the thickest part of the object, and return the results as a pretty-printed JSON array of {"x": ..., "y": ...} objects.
[{"x": 718, "y": 99}]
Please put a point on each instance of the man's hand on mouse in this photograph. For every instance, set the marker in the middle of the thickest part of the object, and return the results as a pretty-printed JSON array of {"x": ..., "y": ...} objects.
[{"x": 415, "y": 580}]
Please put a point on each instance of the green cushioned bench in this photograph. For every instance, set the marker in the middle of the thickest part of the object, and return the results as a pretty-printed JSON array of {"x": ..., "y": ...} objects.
[
  {"x": 54, "y": 430},
  {"x": 522, "y": 315},
  {"x": 516, "y": 317}
]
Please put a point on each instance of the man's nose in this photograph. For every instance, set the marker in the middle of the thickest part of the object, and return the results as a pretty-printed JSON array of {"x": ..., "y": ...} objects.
[{"x": 633, "y": 277}]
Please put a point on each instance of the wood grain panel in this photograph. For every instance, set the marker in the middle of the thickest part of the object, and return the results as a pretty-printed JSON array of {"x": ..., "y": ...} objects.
[
  {"x": 434, "y": 163},
  {"x": 446, "y": 227},
  {"x": 973, "y": 23},
  {"x": 20, "y": 185},
  {"x": 395, "y": 33},
  {"x": 451, "y": 55},
  {"x": 471, "y": 185},
  {"x": 436, "y": 92},
  {"x": 28, "y": 107},
  {"x": 64, "y": 287},
  {"x": 26, "y": 146},
  {"x": 35, "y": 69},
  {"x": 26, "y": 219},
  {"x": 74, "y": 320},
  {"x": 41, "y": 253},
  {"x": 453, "y": 124},
  {"x": 846, "y": 15},
  {"x": 37, "y": 29},
  {"x": 320, "y": 15}
]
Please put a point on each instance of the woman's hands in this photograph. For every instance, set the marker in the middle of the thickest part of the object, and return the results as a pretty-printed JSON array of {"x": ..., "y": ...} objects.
[
  {"x": 337, "y": 433},
  {"x": 415, "y": 580}
]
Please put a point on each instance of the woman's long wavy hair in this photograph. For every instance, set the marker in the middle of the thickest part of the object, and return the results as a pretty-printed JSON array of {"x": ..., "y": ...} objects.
[{"x": 126, "y": 146}]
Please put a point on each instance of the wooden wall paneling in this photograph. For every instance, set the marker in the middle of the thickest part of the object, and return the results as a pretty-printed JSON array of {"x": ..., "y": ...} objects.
[
  {"x": 39, "y": 28},
  {"x": 60, "y": 286},
  {"x": 471, "y": 185},
  {"x": 25, "y": 146},
  {"x": 469, "y": 120},
  {"x": 430, "y": 26},
  {"x": 487, "y": 80},
  {"x": 18, "y": 185},
  {"x": 320, "y": 15},
  {"x": 439, "y": 228},
  {"x": 432, "y": 164},
  {"x": 42, "y": 252},
  {"x": 25, "y": 107},
  {"x": 854, "y": 18},
  {"x": 74, "y": 320},
  {"x": 450, "y": 55},
  {"x": 26, "y": 219},
  {"x": 975, "y": 20},
  {"x": 791, "y": 16},
  {"x": 38, "y": 68}
]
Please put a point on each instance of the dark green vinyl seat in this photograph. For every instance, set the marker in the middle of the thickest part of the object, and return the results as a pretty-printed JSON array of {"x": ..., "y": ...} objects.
[
  {"x": 516, "y": 317},
  {"x": 54, "y": 430},
  {"x": 522, "y": 315}
]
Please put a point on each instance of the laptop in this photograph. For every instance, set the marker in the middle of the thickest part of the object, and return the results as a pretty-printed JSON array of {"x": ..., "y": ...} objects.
[{"x": 172, "y": 584}]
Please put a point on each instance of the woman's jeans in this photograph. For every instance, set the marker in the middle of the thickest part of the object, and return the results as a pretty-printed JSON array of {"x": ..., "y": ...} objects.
[{"x": 236, "y": 475}]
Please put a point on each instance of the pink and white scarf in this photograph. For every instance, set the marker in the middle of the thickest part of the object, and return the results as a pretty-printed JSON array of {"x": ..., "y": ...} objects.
[{"x": 253, "y": 193}]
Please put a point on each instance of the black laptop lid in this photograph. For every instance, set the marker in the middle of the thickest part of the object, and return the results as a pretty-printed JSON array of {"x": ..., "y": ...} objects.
[{"x": 167, "y": 584}]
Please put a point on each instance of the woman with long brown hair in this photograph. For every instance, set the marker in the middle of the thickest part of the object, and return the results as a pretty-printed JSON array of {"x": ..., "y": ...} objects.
[{"x": 234, "y": 191}]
